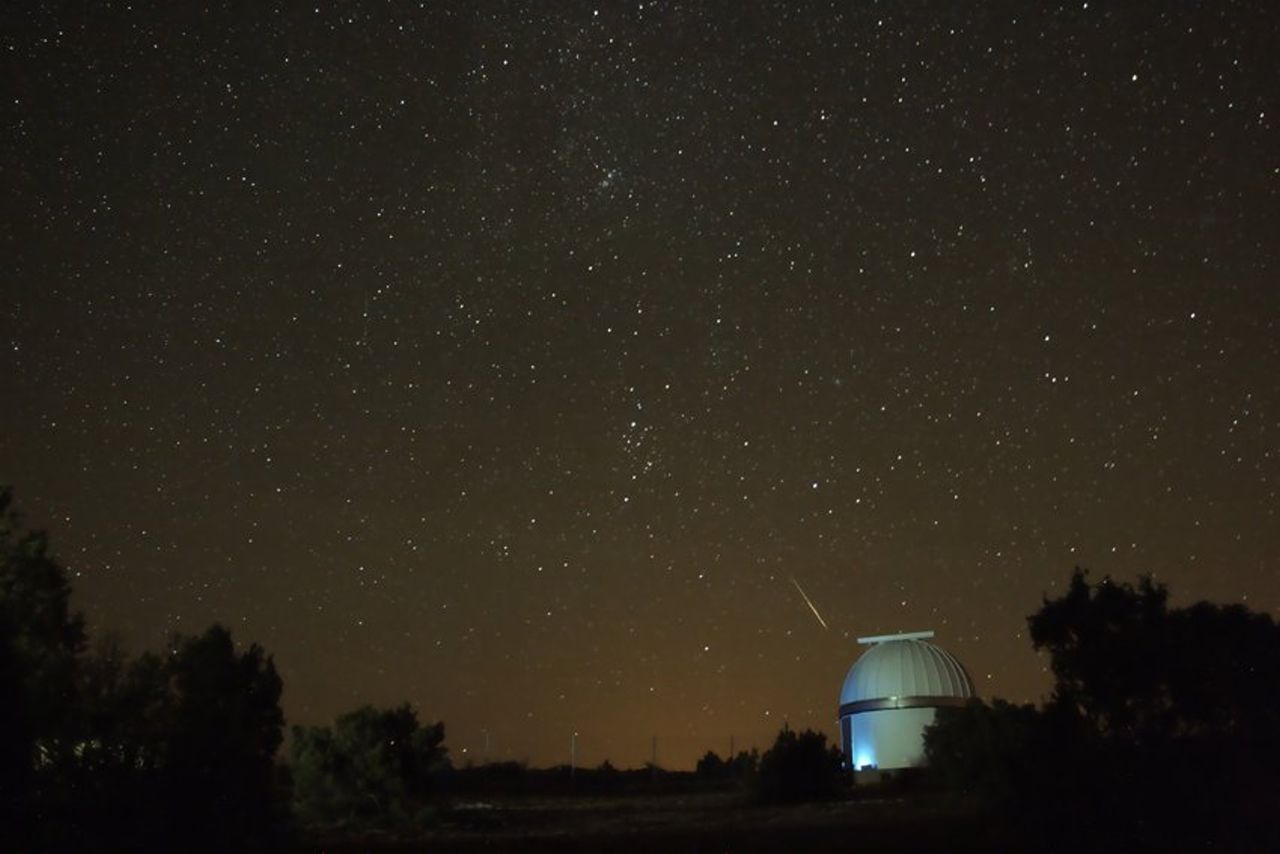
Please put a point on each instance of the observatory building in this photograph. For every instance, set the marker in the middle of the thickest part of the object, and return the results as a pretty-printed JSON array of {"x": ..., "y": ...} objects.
[{"x": 891, "y": 694}]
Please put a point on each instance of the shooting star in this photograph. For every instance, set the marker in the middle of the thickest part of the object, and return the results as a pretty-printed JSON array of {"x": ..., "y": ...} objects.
[{"x": 809, "y": 602}]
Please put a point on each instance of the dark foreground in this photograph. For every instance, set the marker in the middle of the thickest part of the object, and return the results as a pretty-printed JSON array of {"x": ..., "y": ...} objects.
[{"x": 688, "y": 823}]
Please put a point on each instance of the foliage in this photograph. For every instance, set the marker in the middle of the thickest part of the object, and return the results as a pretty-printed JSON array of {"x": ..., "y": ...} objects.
[
  {"x": 224, "y": 725},
  {"x": 711, "y": 765},
  {"x": 99, "y": 752},
  {"x": 40, "y": 639},
  {"x": 35, "y": 602},
  {"x": 373, "y": 767},
  {"x": 739, "y": 767},
  {"x": 981, "y": 748},
  {"x": 1137, "y": 672},
  {"x": 1163, "y": 727},
  {"x": 799, "y": 767},
  {"x": 177, "y": 751}
]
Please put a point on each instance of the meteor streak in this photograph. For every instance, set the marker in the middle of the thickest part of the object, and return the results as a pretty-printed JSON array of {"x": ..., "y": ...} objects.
[{"x": 809, "y": 602}]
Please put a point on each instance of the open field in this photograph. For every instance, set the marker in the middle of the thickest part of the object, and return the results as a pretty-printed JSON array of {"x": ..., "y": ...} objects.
[{"x": 688, "y": 823}]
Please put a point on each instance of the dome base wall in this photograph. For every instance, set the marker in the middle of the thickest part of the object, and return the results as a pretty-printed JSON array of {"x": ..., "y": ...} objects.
[{"x": 886, "y": 739}]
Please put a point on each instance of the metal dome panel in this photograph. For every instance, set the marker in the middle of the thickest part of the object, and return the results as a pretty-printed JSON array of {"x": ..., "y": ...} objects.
[{"x": 899, "y": 667}]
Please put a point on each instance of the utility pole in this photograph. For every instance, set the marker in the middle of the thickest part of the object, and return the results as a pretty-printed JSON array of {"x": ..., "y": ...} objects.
[{"x": 573, "y": 754}]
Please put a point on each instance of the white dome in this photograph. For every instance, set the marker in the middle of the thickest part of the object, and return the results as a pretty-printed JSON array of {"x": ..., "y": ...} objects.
[{"x": 904, "y": 666}]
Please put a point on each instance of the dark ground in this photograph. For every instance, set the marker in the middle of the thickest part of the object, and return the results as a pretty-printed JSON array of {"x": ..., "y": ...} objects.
[{"x": 689, "y": 823}]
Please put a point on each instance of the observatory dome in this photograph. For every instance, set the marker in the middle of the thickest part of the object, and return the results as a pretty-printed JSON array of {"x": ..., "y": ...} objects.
[
  {"x": 891, "y": 696},
  {"x": 904, "y": 666}
]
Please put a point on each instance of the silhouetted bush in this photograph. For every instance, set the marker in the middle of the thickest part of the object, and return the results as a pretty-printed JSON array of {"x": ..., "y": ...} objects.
[
  {"x": 712, "y": 766},
  {"x": 799, "y": 767},
  {"x": 980, "y": 748},
  {"x": 373, "y": 768},
  {"x": 740, "y": 768}
]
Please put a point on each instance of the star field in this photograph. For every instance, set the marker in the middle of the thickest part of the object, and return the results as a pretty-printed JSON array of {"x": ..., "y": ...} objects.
[{"x": 512, "y": 358}]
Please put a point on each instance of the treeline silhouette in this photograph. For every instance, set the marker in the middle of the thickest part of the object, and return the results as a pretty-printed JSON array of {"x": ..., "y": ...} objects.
[
  {"x": 177, "y": 750},
  {"x": 1162, "y": 732},
  {"x": 102, "y": 752}
]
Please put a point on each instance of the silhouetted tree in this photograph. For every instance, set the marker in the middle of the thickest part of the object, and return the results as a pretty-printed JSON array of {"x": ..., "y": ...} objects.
[
  {"x": 799, "y": 767},
  {"x": 125, "y": 709},
  {"x": 740, "y": 767},
  {"x": 17, "y": 742},
  {"x": 1176, "y": 709},
  {"x": 981, "y": 749},
  {"x": 745, "y": 764},
  {"x": 98, "y": 752},
  {"x": 40, "y": 639},
  {"x": 711, "y": 766},
  {"x": 1136, "y": 672},
  {"x": 373, "y": 767},
  {"x": 177, "y": 752},
  {"x": 223, "y": 729},
  {"x": 1163, "y": 728}
]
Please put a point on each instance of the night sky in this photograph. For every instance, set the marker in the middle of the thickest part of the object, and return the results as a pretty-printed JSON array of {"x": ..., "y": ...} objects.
[{"x": 512, "y": 359}]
